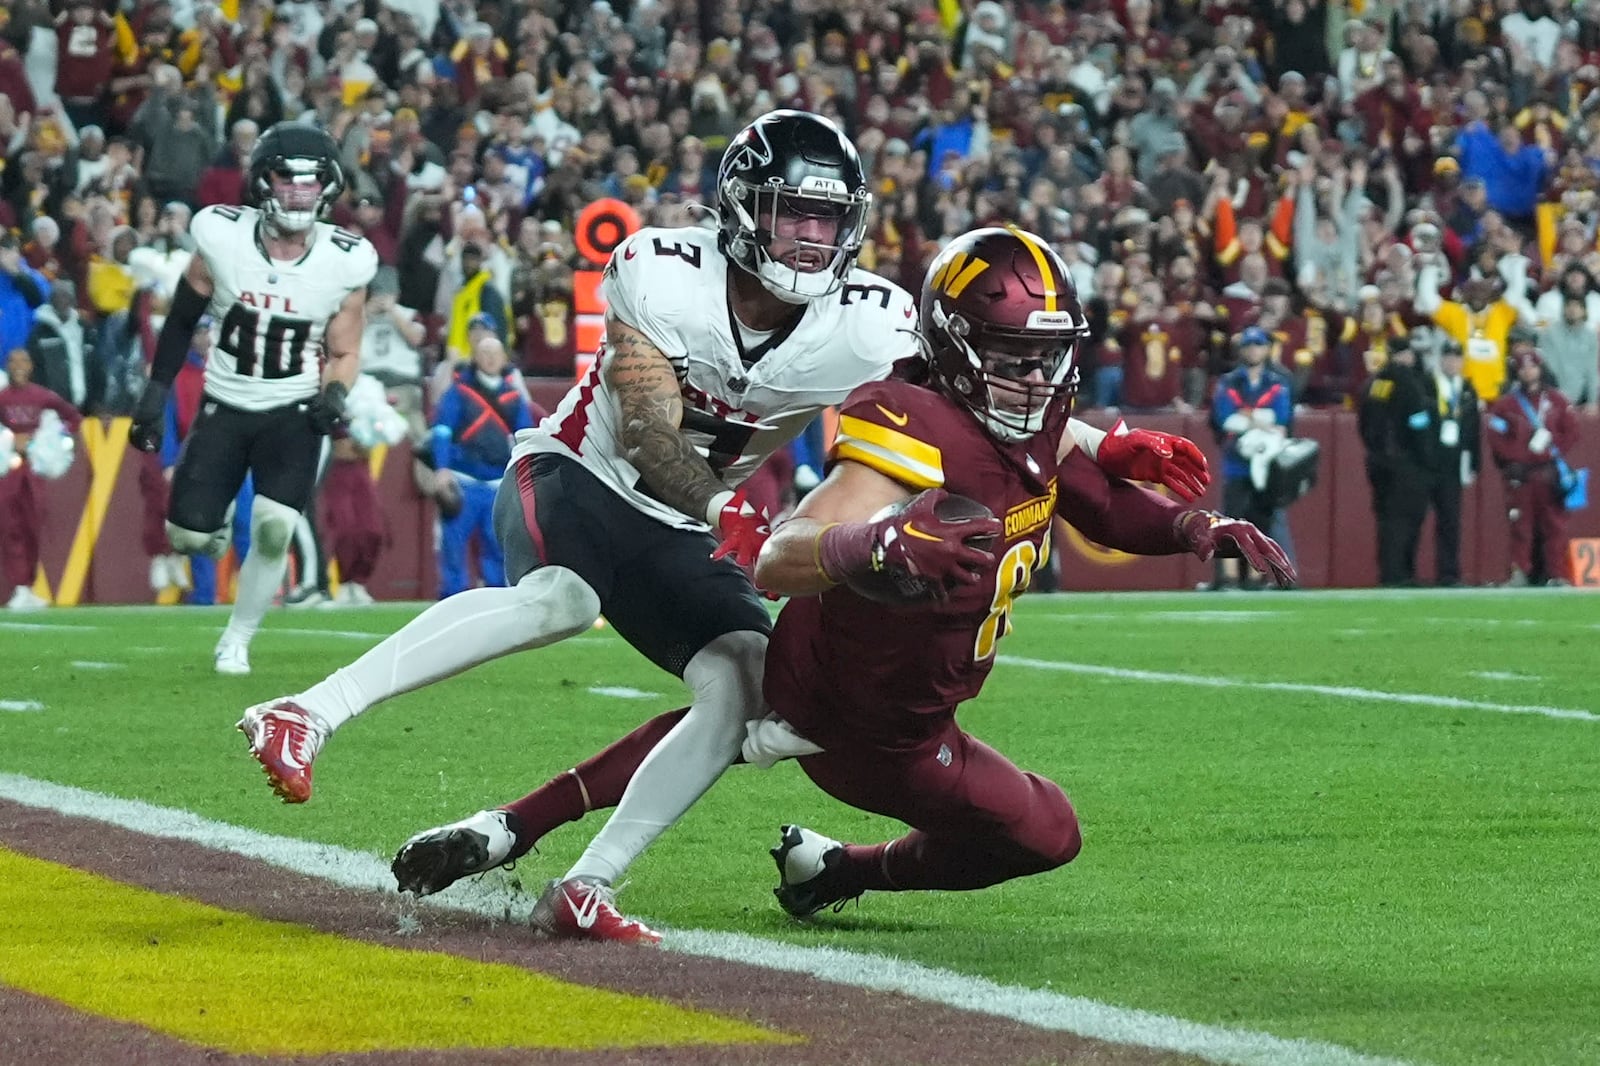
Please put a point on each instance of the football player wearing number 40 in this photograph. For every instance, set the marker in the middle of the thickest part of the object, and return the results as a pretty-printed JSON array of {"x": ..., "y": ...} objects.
[
  {"x": 865, "y": 692},
  {"x": 720, "y": 347},
  {"x": 288, "y": 293}
]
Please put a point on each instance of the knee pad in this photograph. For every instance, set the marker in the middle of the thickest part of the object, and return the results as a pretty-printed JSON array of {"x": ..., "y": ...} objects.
[
  {"x": 193, "y": 542},
  {"x": 271, "y": 526},
  {"x": 559, "y": 603}
]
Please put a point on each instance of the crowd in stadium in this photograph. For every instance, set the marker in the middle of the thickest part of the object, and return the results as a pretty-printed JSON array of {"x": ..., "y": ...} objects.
[{"x": 1353, "y": 177}]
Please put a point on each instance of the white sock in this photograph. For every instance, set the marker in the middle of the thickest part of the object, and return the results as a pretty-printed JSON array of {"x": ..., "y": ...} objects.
[
  {"x": 726, "y": 678},
  {"x": 259, "y": 580},
  {"x": 261, "y": 575},
  {"x": 454, "y": 635}
]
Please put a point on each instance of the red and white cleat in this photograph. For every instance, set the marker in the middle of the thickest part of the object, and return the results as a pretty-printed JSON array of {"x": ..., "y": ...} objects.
[
  {"x": 285, "y": 739},
  {"x": 584, "y": 909}
]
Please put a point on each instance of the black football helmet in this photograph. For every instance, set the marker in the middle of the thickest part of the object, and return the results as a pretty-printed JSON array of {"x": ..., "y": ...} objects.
[
  {"x": 795, "y": 172},
  {"x": 1001, "y": 324},
  {"x": 295, "y": 174}
]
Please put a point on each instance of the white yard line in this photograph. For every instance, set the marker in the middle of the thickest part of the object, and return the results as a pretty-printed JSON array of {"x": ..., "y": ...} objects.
[
  {"x": 47, "y": 627},
  {"x": 348, "y": 634},
  {"x": 1419, "y": 699},
  {"x": 90, "y": 664},
  {"x": 482, "y": 896},
  {"x": 622, "y": 692},
  {"x": 22, "y": 706},
  {"x": 1504, "y": 675}
]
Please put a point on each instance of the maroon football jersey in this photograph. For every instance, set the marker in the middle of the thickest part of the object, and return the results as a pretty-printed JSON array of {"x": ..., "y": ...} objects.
[{"x": 840, "y": 664}]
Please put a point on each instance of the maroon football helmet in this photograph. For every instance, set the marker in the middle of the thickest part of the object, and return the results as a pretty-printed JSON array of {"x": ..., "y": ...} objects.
[{"x": 1001, "y": 325}]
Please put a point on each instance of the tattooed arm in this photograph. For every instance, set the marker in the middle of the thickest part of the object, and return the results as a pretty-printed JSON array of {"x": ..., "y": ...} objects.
[{"x": 647, "y": 391}]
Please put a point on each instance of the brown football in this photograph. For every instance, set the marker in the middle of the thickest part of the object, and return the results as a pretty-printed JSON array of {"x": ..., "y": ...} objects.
[{"x": 900, "y": 589}]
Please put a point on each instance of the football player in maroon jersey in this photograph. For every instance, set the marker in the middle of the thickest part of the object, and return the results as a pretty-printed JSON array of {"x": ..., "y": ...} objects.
[{"x": 998, "y": 433}]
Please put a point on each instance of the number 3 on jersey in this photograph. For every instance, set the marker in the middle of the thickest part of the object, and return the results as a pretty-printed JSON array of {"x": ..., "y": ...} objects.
[
  {"x": 281, "y": 353},
  {"x": 1010, "y": 581}
]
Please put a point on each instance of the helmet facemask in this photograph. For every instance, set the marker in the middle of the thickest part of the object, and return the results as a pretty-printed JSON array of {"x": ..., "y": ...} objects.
[
  {"x": 295, "y": 191},
  {"x": 1012, "y": 381},
  {"x": 801, "y": 242}
]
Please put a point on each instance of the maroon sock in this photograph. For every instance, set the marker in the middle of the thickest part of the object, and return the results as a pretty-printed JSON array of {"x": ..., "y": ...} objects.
[
  {"x": 918, "y": 861},
  {"x": 595, "y": 784}
]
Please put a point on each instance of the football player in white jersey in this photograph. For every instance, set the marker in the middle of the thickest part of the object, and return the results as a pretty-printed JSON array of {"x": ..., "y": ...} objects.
[
  {"x": 720, "y": 347},
  {"x": 288, "y": 293}
]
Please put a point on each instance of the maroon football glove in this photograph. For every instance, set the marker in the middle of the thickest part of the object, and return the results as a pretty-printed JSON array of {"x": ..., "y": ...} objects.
[
  {"x": 1206, "y": 533},
  {"x": 1159, "y": 458},
  {"x": 922, "y": 553},
  {"x": 745, "y": 527}
]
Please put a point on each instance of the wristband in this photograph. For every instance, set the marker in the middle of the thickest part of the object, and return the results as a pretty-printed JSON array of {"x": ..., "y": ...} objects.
[{"x": 714, "y": 509}]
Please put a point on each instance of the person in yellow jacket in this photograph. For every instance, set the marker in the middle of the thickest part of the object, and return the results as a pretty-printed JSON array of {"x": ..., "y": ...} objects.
[{"x": 1481, "y": 323}]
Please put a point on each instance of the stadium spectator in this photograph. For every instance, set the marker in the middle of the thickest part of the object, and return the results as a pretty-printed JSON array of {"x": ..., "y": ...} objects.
[
  {"x": 352, "y": 521},
  {"x": 1250, "y": 412},
  {"x": 1570, "y": 348},
  {"x": 472, "y": 431},
  {"x": 62, "y": 350},
  {"x": 22, "y": 408},
  {"x": 1399, "y": 432},
  {"x": 222, "y": 182},
  {"x": 22, "y": 290}
]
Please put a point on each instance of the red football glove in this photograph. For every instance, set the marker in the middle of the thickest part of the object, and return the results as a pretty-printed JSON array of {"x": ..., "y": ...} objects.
[
  {"x": 1159, "y": 458},
  {"x": 744, "y": 527},
  {"x": 1206, "y": 533},
  {"x": 914, "y": 546}
]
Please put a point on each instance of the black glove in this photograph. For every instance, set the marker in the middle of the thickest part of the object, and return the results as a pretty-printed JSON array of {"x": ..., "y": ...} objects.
[
  {"x": 326, "y": 412},
  {"x": 149, "y": 418}
]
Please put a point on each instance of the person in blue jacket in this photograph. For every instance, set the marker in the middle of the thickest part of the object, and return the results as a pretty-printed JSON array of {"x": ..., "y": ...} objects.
[
  {"x": 1251, "y": 400},
  {"x": 472, "y": 434},
  {"x": 22, "y": 291}
]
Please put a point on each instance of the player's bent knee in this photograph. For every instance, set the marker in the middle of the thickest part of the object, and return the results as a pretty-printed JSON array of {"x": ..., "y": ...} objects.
[
  {"x": 187, "y": 541},
  {"x": 272, "y": 526},
  {"x": 1050, "y": 837},
  {"x": 729, "y": 670},
  {"x": 560, "y": 604}
]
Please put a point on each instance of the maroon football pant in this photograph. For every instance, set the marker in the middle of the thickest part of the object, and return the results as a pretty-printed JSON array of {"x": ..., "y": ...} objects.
[
  {"x": 1540, "y": 518},
  {"x": 352, "y": 519},
  {"x": 20, "y": 522},
  {"x": 976, "y": 818}
]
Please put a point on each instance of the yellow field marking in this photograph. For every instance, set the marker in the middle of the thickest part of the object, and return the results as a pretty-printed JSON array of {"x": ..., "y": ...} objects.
[{"x": 251, "y": 986}]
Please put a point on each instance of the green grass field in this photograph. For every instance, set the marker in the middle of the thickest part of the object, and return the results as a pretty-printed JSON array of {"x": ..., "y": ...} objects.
[{"x": 1406, "y": 878}]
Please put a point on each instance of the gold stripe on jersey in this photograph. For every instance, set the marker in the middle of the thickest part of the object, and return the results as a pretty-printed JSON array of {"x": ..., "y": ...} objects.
[
  {"x": 1045, "y": 273},
  {"x": 908, "y": 460},
  {"x": 957, "y": 272}
]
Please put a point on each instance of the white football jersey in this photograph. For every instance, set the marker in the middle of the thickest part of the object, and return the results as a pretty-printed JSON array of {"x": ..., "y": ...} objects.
[
  {"x": 269, "y": 315},
  {"x": 671, "y": 285}
]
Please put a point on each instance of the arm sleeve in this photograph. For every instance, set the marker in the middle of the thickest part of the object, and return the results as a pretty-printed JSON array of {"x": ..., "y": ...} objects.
[
  {"x": 1222, "y": 406},
  {"x": 444, "y": 417},
  {"x": 172, "y": 346},
  {"x": 32, "y": 285},
  {"x": 1114, "y": 512}
]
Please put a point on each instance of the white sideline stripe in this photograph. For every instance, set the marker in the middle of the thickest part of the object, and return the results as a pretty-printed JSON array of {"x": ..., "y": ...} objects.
[
  {"x": 622, "y": 692},
  {"x": 481, "y": 896},
  {"x": 47, "y": 627},
  {"x": 1420, "y": 699},
  {"x": 90, "y": 664},
  {"x": 21, "y": 705},
  {"x": 349, "y": 634}
]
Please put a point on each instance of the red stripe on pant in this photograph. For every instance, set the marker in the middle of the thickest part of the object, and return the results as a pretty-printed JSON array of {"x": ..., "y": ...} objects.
[
  {"x": 530, "y": 510},
  {"x": 21, "y": 522}
]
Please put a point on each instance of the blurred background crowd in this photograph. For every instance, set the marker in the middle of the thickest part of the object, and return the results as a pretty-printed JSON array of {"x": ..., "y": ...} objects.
[{"x": 1348, "y": 176}]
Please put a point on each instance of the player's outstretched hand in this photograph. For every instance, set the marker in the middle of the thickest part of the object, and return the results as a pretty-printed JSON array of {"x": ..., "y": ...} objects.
[
  {"x": 744, "y": 528},
  {"x": 326, "y": 411},
  {"x": 1159, "y": 458},
  {"x": 149, "y": 418},
  {"x": 1206, "y": 533}
]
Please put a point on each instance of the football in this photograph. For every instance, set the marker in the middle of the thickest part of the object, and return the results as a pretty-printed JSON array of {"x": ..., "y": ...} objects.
[{"x": 898, "y": 589}]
